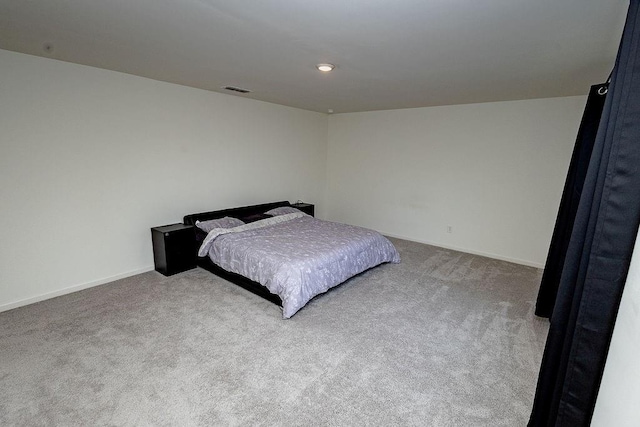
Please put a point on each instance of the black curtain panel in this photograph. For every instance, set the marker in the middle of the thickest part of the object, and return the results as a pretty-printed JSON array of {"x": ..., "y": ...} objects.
[
  {"x": 599, "y": 252},
  {"x": 570, "y": 199}
]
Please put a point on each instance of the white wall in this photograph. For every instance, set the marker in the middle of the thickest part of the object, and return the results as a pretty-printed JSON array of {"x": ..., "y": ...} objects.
[
  {"x": 494, "y": 172},
  {"x": 91, "y": 159},
  {"x": 618, "y": 401}
]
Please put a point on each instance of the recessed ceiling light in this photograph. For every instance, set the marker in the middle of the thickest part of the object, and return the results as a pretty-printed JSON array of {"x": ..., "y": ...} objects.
[{"x": 325, "y": 68}]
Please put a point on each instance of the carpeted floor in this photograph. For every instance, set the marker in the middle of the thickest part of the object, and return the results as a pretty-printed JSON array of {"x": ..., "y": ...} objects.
[{"x": 442, "y": 339}]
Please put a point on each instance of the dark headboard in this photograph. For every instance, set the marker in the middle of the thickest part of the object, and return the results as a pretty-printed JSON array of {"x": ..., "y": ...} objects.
[{"x": 244, "y": 213}]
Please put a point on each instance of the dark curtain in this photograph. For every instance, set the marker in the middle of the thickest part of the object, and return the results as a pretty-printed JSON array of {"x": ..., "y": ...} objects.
[
  {"x": 570, "y": 199},
  {"x": 599, "y": 252}
]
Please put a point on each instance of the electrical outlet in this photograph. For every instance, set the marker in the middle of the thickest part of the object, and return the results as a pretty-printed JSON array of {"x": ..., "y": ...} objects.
[{"x": 449, "y": 229}]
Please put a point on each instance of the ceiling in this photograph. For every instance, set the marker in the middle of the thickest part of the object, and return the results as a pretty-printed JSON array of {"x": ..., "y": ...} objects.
[{"x": 388, "y": 53}]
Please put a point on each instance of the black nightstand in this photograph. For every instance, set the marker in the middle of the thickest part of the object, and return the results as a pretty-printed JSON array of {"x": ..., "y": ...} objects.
[
  {"x": 174, "y": 248},
  {"x": 307, "y": 208}
]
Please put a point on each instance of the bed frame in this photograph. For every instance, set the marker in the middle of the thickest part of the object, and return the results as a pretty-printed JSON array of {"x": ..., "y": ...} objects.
[{"x": 247, "y": 214}]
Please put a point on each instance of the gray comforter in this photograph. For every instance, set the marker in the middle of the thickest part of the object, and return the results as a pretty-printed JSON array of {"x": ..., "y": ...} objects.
[{"x": 297, "y": 256}]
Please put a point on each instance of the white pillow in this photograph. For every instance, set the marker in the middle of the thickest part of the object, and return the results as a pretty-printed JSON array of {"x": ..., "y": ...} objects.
[
  {"x": 283, "y": 210},
  {"x": 226, "y": 222}
]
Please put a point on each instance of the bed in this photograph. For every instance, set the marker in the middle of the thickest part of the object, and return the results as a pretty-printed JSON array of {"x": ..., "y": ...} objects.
[{"x": 286, "y": 256}]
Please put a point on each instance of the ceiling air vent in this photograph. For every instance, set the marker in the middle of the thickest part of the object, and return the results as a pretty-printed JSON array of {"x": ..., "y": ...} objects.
[{"x": 236, "y": 89}]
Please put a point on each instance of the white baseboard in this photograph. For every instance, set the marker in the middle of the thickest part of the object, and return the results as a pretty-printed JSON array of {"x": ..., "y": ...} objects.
[
  {"x": 71, "y": 289},
  {"x": 469, "y": 251},
  {"x": 91, "y": 284}
]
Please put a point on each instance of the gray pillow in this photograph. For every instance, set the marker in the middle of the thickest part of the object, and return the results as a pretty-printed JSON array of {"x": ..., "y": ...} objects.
[
  {"x": 283, "y": 210},
  {"x": 226, "y": 222}
]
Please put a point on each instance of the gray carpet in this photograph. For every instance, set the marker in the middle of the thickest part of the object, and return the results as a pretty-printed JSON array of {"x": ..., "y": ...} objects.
[{"x": 442, "y": 339}]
